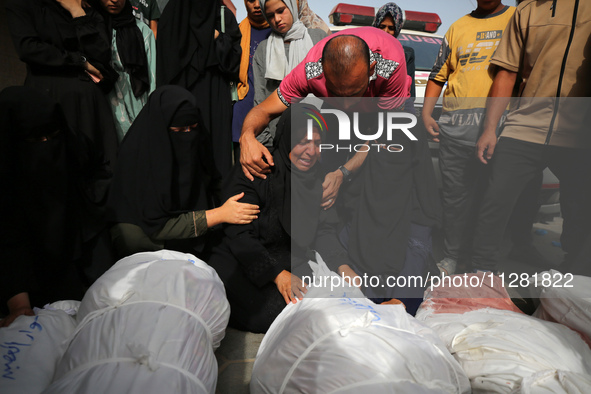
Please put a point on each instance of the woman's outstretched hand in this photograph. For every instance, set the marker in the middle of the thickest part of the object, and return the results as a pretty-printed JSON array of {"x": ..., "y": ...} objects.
[
  {"x": 232, "y": 212},
  {"x": 290, "y": 286},
  {"x": 238, "y": 212}
]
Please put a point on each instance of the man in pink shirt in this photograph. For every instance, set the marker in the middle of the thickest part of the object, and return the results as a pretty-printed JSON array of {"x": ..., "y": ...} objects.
[
  {"x": 361, "y": 62},
  {"x": 385, "y": 62}
]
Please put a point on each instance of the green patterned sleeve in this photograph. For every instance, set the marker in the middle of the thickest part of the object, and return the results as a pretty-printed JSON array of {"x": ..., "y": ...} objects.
[{"x": 187, "y": 225}]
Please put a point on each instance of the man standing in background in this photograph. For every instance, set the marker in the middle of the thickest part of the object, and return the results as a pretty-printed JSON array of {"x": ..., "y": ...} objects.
[
  {"x": 463, "y": 63},
  {"x": 547, "y": 43}
]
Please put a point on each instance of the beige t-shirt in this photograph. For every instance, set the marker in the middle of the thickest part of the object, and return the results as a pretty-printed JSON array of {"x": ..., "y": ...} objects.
[{"x": 546, "y": 42}]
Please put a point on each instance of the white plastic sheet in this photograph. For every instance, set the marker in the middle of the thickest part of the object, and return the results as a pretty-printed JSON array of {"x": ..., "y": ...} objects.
[
  {"x": 126, "y": 377},
  {"x": 166, "y": 276},
  {"x": 160, "y": 337},
  {"x": 341, "y": 343},
  {"x": 69, "y": 306},
  {"x": 149, "y": 325},
  {"x": 500, "y": 349},
  {"x": 555, "y": 382},
  {"x": 30, "y": 349},
  {"x": 566, "y": 300}
]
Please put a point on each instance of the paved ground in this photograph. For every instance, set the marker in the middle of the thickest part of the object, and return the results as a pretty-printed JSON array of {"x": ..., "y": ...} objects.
[
  {"x": 238, "y": 349},
  {"x": 235, "y": 361}
]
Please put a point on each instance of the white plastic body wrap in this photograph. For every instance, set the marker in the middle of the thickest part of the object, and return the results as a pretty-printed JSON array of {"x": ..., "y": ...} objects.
[
  {"x": 343, "y": 342},
  {"x": 137, "y": 345},
  {"x": 166, "y": 276},
  {"x": 30, "y": 349},
  {"x": 149, "y": 325},
  {"x": 504, "y": 351},
  {"x": 566, "y": 301}
]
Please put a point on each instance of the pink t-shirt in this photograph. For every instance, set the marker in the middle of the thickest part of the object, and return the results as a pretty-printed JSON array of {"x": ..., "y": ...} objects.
[{"x": 389, "y": 79}]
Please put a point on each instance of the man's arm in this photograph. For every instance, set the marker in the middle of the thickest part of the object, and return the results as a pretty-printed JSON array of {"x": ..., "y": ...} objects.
[
  {"x": 253, "y": 152},
  {"x": 500, "y": 94},
  {"x": 432, "y": 93}
]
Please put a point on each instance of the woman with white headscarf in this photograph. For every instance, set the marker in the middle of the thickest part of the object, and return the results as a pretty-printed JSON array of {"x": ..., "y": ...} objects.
[{"x": 285, "y": 48}]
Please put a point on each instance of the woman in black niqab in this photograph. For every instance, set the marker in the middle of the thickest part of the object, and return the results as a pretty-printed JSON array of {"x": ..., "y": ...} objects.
[{"x": 164, "y": 188}]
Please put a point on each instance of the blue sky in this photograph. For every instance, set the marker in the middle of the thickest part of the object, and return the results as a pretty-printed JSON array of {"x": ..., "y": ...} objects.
[{"x": 449, "y": 10}]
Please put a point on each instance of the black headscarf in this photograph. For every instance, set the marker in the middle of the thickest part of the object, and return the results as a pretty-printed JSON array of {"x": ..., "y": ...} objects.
[
  {"x": 35, "y": 170},
  {"x": 162, "y": 174},
  {"x": 130, "y": 45},
  {"x": 186, "y": 34},
  {"x": 297, "y": 193}
]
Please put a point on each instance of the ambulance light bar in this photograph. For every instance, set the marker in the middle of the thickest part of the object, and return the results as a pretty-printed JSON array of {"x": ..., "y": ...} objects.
[
  {"x": 348, "y": 14},
  {"x": 358, "y": 15},
  {"x": 422, "y": 21}
]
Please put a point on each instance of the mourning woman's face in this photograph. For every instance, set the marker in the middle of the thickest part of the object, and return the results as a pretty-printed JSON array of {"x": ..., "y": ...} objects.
[{"x": 306, "y": 153}]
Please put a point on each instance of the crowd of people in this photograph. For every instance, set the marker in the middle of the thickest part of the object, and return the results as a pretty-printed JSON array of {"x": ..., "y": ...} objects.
[{"x": 139, "y": 130}]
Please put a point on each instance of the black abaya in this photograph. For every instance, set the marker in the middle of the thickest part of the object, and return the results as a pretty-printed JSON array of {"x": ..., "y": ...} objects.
[
  {"x": 54, "y": 45},
  {"x": 291, "y": 223},
  {"x": 391, "y": 192},
  {"x": 205, "y": 66},
  {"x": 47, "y": 230}
]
